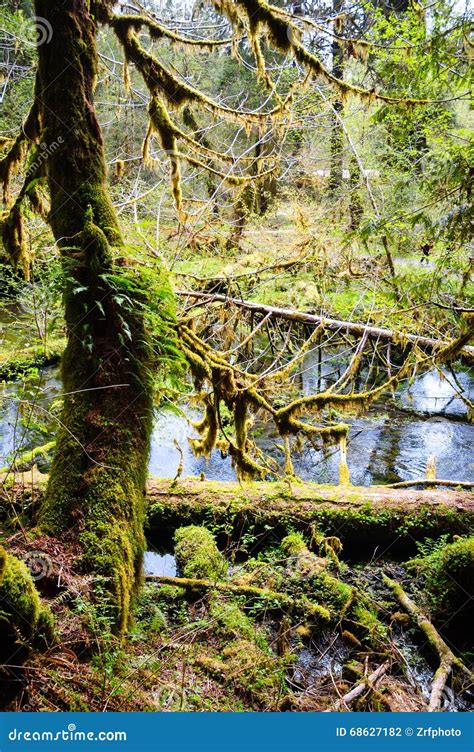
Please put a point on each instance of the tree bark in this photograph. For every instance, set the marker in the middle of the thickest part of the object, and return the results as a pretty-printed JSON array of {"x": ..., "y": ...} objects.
[
  {"x": 95, "y": 489},
  {"x": 337, "y": 134}
]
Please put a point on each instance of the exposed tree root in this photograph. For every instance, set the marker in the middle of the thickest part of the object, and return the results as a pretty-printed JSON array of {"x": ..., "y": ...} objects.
[{"x": 447, "y": 660}]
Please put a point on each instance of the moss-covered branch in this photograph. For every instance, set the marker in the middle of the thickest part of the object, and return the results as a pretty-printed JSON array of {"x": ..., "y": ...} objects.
[
  {"x": 447, "y": 659},
  {"x": 465, "y": 353}
]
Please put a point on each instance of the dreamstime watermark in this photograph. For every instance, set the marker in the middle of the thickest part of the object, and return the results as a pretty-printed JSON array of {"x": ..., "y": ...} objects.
[
  {"x": 43, "y": 32},
  {"x": 45, "y": 151},
  {"x": 71, "y": 734},
  {"x": 169, "y": 698},
  {"x": 449, "y": 699},
  {"x": 39, "y": 564}
]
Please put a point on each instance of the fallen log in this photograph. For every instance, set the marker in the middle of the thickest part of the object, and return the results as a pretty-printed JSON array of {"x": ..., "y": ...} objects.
[
  {"x": 25, "y": 460},
  {"x": 466, "y": 353},
  {"x": 447, "y": 660},
  {"x": 432, "y": 482},
  {"x": 364, "y": 518},
  {"x": 34, "y": 357}
]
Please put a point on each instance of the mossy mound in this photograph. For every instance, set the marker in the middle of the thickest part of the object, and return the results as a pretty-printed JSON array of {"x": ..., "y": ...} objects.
[
  {"x": 197, "y": 554},
  {"x": 448, "y": 578},
  {"x": 23, "y": 619}
]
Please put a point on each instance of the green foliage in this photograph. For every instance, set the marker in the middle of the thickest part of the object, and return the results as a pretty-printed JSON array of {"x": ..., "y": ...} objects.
[
  {"x": 448, "y": 575},
  {"x": 147, "y": 291}
]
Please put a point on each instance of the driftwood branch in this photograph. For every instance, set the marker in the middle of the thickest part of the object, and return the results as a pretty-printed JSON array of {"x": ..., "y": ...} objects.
[
  {"x": 466, "y": 353},
  {"x": 369, "y": 683},
  {"x": 447, "y": 659}
]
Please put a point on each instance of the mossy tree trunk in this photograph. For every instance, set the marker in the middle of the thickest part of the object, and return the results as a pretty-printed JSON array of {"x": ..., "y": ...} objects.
[{"x": 96, "y": 487}]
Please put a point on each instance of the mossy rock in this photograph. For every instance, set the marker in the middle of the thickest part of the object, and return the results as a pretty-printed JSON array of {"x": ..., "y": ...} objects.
[
  {"x": 23, "y": 619},
  {"x": 197, "y": 554}
]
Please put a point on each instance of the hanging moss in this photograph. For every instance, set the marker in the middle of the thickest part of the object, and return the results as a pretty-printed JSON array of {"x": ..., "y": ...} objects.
[
  {"x": 18, "y": 151},
  {"x": 14, "y": 238},
  {"x": 157, "y": 31},
  {"x": 208, "y": 427}
]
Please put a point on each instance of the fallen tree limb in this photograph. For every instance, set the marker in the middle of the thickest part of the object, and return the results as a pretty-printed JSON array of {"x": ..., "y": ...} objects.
[
  {"x": 24, "y": 461},
  {"x": 466, "y": 353},
  {"x": 365, "y": 518},
  {"x": 447, "y": 659},
  {"x": 432, "y": 483},
  {"x": 193, "y": 583},
  {"x": 369, "y": 683}
]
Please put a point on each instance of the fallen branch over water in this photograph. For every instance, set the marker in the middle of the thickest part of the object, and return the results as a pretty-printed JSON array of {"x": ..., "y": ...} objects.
[
  {"x": 432, "y": 482},
  {"x": 447, "y": 659},
  {"x": 466, "y": 353}
]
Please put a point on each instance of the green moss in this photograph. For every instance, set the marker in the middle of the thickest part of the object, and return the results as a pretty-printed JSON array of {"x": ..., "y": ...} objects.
[
  {"x": 293, "y": 544},
  {"x": 251, "y": 671},
  {"x": 234, "y": 623},
  {"x": 448, "y": 575},
  {"x": 12, "y": 367},
  {"x": 197, "y": 554},
  {"x": 336, "y": 595},
  {"x": 23, "y": 619}
]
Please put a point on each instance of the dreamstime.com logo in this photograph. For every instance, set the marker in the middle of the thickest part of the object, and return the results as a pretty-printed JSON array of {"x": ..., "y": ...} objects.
[
  {"x": 71, "y": 734},
  {"x": 43, "y": 30},
  {"x": 44, "y": 151},
  {"x": 39, "y": 564}
]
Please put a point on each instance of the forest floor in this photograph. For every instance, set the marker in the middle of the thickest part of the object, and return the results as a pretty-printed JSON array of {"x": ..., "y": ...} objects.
[{"x": 276, "y": 617}]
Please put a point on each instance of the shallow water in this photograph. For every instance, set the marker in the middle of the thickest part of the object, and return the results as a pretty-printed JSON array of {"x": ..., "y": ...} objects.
[
  {"x": 386, "y": 446},
  {"x": 159, "y": 563}
]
